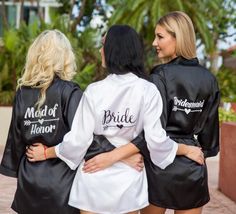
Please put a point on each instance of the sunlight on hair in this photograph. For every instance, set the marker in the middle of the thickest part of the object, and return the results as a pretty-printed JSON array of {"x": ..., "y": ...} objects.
[
  {"x": 50, "y": 54},
  {"x": 179, "y": 25}
]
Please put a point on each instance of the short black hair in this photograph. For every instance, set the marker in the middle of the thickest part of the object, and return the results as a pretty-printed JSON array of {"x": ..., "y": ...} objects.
[{"x": 124, "y": 51}]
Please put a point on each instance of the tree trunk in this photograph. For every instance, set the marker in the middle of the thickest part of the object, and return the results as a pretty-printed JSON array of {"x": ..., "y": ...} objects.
[
  {"x": 21, "y": 11},
  {"x": 40, "y": 14},
  {"x": 214, "y": 57},
  {"x": 4, "y": 17},
  {"x": 72, "y": 5},
  {"x": 79, "y": 17},
  {"x": 70, "y": 13}
]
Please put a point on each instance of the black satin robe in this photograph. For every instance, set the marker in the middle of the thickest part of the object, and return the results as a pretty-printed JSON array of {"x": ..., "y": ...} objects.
[
  {"x": 42, "y": 187},
  {"x": 190, "y": 116}
]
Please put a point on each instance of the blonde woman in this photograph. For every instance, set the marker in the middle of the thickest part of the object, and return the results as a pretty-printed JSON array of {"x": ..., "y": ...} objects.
[
  {"x": 43, "y": 110},
  {"x": 190, "y": 116}
]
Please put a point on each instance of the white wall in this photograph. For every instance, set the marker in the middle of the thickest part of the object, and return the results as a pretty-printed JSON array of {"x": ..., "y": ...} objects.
[{"x": 5, "y": 119}]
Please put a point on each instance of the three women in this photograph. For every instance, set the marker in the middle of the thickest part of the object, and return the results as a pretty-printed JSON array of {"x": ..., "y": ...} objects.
[{"x": 130, "y": 103}]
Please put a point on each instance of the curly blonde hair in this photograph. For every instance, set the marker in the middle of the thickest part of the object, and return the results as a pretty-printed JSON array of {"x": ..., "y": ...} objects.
[{"x": 50, "y": 54}]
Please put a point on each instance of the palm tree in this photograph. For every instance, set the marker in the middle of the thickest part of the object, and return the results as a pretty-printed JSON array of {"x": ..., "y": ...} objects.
[{"x": 208, "y": 17}]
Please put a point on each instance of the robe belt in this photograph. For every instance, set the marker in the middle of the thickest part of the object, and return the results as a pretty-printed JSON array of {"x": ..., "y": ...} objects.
[{"x": 183, "y": 136}]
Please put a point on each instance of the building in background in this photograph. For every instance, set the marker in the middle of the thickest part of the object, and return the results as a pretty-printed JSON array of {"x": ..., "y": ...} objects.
[
  {"x": 30, "y": 11},
  {"x": 229, "y": 57}
]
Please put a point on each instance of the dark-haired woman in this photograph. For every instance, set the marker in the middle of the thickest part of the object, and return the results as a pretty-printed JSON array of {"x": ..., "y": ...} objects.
[{"x": 118, "y": 107}]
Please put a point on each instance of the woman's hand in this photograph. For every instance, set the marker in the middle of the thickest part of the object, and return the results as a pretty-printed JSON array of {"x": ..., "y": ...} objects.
[
  {"x": 98, "y": 163},
  {"x": 135, "y": 161},
  {"x": 36, "y": 152},
  {"x": 195, "y": 153},
  {"x": 105, "y": 160}
]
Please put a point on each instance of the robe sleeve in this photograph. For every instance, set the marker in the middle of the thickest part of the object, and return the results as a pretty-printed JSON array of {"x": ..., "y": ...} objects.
[
  {"x": 141, "y": 144},
  {"x": 209, "y": 136},
  {"x": 76, "y": 142},
  {"x": 71, "y": 99},
  {"x": 159, "y": 82},
  {"x": 15, "y": 148},
  {"x": 99, "y": 145},
  {"x": 162, "y": 149}
]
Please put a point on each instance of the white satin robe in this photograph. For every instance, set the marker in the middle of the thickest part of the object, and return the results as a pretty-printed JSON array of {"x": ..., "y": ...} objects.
[{"x": 118, "y": 107}]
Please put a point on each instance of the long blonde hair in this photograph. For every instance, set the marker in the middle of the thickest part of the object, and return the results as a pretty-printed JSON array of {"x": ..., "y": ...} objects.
[
  {"x": 50, "y": 54},
  {"x": 180, "y": 26}
]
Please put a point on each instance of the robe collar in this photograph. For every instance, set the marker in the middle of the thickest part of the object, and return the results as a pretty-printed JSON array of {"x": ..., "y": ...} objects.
[{"x": 182, "y": 61}]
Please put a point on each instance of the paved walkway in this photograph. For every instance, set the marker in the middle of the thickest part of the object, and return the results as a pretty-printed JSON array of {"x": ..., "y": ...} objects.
[{"x": 219, "y": 203}]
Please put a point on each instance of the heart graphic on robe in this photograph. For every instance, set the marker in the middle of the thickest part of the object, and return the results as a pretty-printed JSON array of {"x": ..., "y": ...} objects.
[
  {"x": 41, "y": 121},
  {"x": 187, "y": 110},
  {"x": 120, "y": 126}
]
